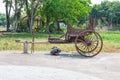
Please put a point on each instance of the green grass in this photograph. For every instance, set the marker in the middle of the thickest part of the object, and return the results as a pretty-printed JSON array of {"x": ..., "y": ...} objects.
[
  {"x": 111, "y": 36},
  {"x": 7, "y": 42},
  {"x": 111, "y": 41}
]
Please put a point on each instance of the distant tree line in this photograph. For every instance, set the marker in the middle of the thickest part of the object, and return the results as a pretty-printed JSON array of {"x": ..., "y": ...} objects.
[
  {"x": 41, "y": 14},
  {"x": 107, "y": 14}
]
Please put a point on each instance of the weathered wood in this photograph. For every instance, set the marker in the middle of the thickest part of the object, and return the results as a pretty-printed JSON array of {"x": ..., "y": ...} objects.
[
  {"x": 30, "y": 42},
  {"x": 25, "y": 49},
  {"x": 26, "y": 43}
]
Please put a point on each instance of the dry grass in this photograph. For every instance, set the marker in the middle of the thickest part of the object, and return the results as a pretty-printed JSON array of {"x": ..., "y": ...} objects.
[
  {"x": 111, "y": 47},
  {"x": 7, "y": 42},
  {"x": 2, "y": 29}
]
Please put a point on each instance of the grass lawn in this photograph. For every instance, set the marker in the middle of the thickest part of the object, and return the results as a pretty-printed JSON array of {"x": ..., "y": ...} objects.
[
  {"x": 7, "y": 42},
  {"x": 111, "y": 41}
]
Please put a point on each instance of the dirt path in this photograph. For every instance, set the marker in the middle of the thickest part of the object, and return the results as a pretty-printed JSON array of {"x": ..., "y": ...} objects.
[{"x": 104, "y": 66}]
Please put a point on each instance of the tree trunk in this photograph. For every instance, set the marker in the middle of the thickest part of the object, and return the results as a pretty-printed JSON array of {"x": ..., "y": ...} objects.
[
  {"x": 8, "y": 21},
  {"x": 16, "y": 16},
  {"x": 47, "y": 25},
  {"x": 17, "y": 12},
  {"x": 58, "y": 27},
  {"x": 31, "y": 21},
  {"x": 32, "y": 17},
  {"x": 28, "y": 14},
  {"x": 31, "y": 12},
  {"x": 8, "y": 14},
  {"x": 16, "y": 22}
]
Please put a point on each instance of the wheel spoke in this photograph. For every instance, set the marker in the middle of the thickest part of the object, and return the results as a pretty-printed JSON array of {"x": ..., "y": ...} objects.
[{"x": 90, "y": 44}]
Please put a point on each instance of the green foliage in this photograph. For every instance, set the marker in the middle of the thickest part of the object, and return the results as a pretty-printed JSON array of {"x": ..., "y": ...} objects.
[
  {"x": 108, "y": 12},
  {"x": 54, "y": 11},
  {"x": 22, "y": 26},
  {"x": 66, "y": 9},
  {"x": 2, "y": 19}
]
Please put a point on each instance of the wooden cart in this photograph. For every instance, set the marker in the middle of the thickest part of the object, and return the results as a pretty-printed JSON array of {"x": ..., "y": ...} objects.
[{"x": 87, "y": 41}]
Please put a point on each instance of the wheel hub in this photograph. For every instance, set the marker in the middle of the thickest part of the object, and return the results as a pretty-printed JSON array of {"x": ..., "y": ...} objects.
[{"x": 89, "y": 43}]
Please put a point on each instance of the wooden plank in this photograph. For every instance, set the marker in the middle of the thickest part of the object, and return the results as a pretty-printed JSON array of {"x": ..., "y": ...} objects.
[
  {"x": 25, "y": 49},
  {"x": 41, "y": 43},
  {"x": 30, "y": 42}
]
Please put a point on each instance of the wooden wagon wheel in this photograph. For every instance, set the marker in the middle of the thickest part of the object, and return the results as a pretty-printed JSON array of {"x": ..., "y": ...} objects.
[{"x": 88, "y": 43}]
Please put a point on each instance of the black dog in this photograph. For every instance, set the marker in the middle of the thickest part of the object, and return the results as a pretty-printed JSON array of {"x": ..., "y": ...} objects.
[{"x": 55, "y": 51}]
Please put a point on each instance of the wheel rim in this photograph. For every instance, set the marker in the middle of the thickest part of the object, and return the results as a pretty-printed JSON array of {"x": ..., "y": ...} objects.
[{"x": 90, "y": 44}]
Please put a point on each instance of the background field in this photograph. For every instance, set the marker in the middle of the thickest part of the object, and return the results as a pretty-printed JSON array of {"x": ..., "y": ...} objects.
[{"x": 7, "y": 42}]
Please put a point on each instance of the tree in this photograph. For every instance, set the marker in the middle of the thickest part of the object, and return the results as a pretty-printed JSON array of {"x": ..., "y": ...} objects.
[
  {"x": 64, "y": 10},
  {"x": 107, "y": 12},
  {"x": 17, "y": 5},
  {"x": 31, "y": 7},
  {"x": 8, "y": 5}
]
